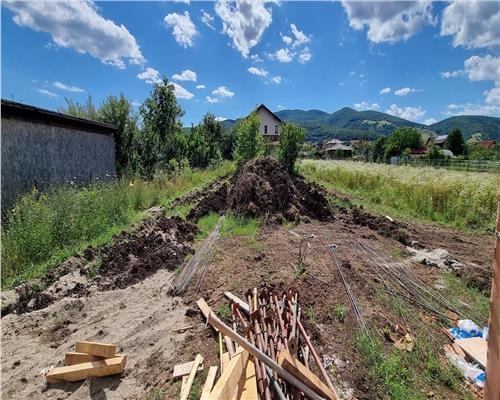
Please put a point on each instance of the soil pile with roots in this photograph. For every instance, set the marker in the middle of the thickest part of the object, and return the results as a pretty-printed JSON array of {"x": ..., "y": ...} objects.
[{"x": 264, "y": 188}]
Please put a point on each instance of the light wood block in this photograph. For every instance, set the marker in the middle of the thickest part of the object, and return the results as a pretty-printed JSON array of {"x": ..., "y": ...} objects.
[
  {"x": 209, "y": 383},
  {"x": 96, "y": 349},
  {"x": 235, "y": 299},
  {"x": 184, "y": 369},
  {"x": 299, "y": 370},
  {"x": 73, "y": 357},
  {"x": 79, "y": 372},
  {"x": 185, "y": 392},
  {"x": 228, "y": 382},
  {"x": 248, "y": 387}
]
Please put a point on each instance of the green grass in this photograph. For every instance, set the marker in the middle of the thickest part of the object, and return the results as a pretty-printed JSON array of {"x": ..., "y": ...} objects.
[
  {"x": 224, "y": 311},
  {"x": 156, "y": 394},
  {"x": 460, "y": 199},
  {"x": 233, "y": 225},
  {"x": 338, "y": 312},
  {"x": 43, "y": 229}
]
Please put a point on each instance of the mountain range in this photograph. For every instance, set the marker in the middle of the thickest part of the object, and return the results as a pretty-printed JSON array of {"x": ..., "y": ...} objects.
[{"x": 348, "y": 123}]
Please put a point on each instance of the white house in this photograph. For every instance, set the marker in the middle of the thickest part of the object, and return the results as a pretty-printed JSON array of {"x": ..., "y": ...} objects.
[{"x": 270, "y": 123}]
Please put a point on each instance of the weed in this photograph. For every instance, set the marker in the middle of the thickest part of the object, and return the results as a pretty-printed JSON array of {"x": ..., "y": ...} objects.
[
  {"x": 338, "y": 312},
  {"x": 197, "y": 387},
  {"x": 156, "y": 394},
  {"x": 223, "y": 311},
  {"x": 310, "y": 314},
  {"x": 396, "y": 253},
  {"x": 94, "y": 268},
  {"x": 299, "y": 272}
]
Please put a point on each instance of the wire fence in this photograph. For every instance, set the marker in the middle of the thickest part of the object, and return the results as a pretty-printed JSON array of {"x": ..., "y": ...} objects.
[{"x": 457, "y": 165}]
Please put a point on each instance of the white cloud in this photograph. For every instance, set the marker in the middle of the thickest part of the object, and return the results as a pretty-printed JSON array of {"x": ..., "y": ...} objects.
[
  {"x": 276, "y": 79},
  {"x": 389, "y": 21},
  {"x": 207, "y": 19},
  {"x": 257, "y": 71},
  {"x": 280, "y": 107},
  {"x": 300, "y": 37},
  {"x": 181, "y": 93},
  {"x": 200, "y": 86},
  {"x": 150, "y": 75},
  {"x": 365, "y": 105},
  {"x": 305, "y": 55},
  {"x": 429, "y": 121},
  {"x": 255, "y": 58},
  {"x": 186, "y": 75},
  {"x": 471, "y": 109},
  {"x": 182, "y": 1},
  {"x": 67, "y": 88},
  {"x": 283, "y": 56},
  {"x": 405, "y": 91},
  {"x": 385, "y": 90},
  {"x": 485, "y": 68},
  {"x": 244, "y": 22},
  {"x": 492, "y": 96},
  {"x": 183, "y": 29},
  {"x": 409, "y": 113},
  {"x": 287, "y": 40},
  {"x": 223, "y": 91},
  {"x": 77, "y": 25},
  {"x": 220, "y": 119},
  {"x": 47, "y": 92},
  {"x": 472, "y": 23},
  {"x": 212, "y": 99},
  {"x": 452, "y": 74},
  {"x": 352, "y": 73}
]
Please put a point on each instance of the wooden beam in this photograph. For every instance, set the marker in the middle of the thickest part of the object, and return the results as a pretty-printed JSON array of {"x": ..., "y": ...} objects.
[
  {"x": 184, "y": 369},
  {"x": 185, "y": 392},
  {"x": 96, "y": 349},
  {"x": 73, "y": 357},
  {"x": 235, "y": 299},
  {"x": 209, "y": 383},
  {"x": 254, "y": 351},
  {"x": 225, "y": 361},
  {"x": 295, "y": 367},
  {"x": 228, "y": 382},
  {"x": 79, "y": 372},
  {"x": 249, "y": 387},
  {"x": 229, "y": 346}
]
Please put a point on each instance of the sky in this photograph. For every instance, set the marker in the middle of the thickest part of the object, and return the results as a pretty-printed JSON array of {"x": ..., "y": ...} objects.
[{"x": 420, "y": 60}]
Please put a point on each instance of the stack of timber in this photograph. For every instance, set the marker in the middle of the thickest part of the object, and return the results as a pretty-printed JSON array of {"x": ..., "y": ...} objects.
[
  {"x": 89, "y": 359},
  {"x": 269, "y": 354}
]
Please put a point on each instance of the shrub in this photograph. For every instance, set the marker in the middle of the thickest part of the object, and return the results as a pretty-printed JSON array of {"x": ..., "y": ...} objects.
[
  {"x": 290, "y": 142},
  {"x": 249, "y": 143}
]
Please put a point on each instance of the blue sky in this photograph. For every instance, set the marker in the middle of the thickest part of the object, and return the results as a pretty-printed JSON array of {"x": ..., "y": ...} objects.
[{"x": 419, "y": 60}]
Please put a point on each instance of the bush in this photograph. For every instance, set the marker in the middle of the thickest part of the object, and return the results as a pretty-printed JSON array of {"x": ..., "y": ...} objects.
[
  {"x": 249, "y": 142},
  {"x": 290, "y": 143}
]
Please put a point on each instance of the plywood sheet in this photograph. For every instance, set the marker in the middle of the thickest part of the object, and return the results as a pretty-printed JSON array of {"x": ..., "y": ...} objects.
[{"x": 476, "y": 348}]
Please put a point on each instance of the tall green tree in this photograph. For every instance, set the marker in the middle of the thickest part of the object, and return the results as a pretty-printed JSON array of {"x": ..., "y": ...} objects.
[
  {"x": 378, "y": 151},
  {"x": 290, "y": 143},
  {"x": 249, "y": 142},
  {"x": 228, "y": 143},
  {"x": 402, "y": 139},
  {"x": 455, "y": 142},
  {"x": 87, "y": 110}
]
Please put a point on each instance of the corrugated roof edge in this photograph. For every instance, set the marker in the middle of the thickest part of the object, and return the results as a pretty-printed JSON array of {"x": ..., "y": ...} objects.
[{"x": 15, "y": 109}]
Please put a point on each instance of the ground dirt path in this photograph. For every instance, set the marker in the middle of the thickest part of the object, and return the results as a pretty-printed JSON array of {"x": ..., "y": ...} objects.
[{"x": 140, "y": 319}]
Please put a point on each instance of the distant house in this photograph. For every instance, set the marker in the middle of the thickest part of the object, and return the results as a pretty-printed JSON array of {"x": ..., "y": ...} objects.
[
  {"x": 330, "y": 143},
  {"x": 487, "y": 144},
  {"x": 419, "y": 152},
  {"x": 438, "y": 141},
  {"x": 270, "y": 123},
  {"x": 334, "y": 147}
]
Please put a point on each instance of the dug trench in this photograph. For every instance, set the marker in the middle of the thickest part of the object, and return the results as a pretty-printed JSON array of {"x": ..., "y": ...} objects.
[{"x": 118, "y": 294}]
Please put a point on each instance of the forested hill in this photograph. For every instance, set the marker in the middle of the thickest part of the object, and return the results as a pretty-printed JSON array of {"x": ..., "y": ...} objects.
[{"x": 348, "y": 123}]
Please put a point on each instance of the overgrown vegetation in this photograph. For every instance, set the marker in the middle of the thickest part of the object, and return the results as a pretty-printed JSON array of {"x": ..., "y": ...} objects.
[
  {"x": 290, "y": 142},
  {"x": 45, "y": 228},
  {"x": 233, "y": 225},
  {"x": 466, "y": 200},
  {"x": 249, "y": 142}
]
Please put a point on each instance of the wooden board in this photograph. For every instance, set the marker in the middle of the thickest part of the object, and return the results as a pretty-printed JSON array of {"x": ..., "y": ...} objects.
[
  {"x": 184, "y": 369},
  {"x": 96, "y": 349},
  {"x": 299, "y": 370},
  {"x": 228, "y": 382},
  {"x": 249, "y": 386},
  {"x": 209, "y": 383},
  {"x": 476, "y": 348},
  {"x": 185, "y": 392},
  {"x": 79, "y": 372},
  {"x": 73, "y": 357},
  {"x": 235, "y": 299},
  {"x": 225, "y": 360}
]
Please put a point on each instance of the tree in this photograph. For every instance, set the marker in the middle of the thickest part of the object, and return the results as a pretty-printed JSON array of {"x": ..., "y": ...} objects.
[
  {"x": 455, "y": 142},
  {"x": 228, "y": 143},
  {"x": 87, "y": 110},
  {"x": 435, "y": 153},
  {"x": 402, "y": 139},
  {"x": 290, "y": 142},
  {"x": 249, "y": 143},
  {"x": 378, "y": 151},
  {"x": 212, "y": 131}
]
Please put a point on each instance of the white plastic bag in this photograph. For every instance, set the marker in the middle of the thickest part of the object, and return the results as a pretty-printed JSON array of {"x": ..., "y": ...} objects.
[{"x": 469, "y": 326}]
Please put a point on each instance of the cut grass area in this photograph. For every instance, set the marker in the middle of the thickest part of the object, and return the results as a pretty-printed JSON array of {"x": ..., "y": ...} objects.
[
  {"x": 460, "y": 199},
  {"x": 45, "y": 228}
]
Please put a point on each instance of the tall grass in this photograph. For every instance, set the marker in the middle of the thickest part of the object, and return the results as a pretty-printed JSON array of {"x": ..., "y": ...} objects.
[
  {"x": 461, "y": 199},
  {"x": 44, "y": 228}
]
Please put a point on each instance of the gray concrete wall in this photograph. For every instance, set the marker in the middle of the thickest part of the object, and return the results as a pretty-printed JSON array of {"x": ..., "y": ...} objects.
[{"x": 43, "y": 155}]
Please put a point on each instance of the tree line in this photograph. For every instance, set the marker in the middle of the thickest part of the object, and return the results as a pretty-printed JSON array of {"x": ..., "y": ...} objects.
[{"x": 153, "y": 137}]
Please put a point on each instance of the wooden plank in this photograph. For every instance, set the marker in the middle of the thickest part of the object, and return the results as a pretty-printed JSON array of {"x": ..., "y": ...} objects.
[
  {"x": 204, "y": 307},
  {"x": 249, "y": 391},
  {"x": 225, "y": 360},
  {"x": 185, "y": 392},
  {"x": 184, "y": 382},
  {"x": 79, "y": 372},
  {"x": 228, "y": 382},
  {"x": 96, "y": 349},
  {"x": 73, "y": 357},
  {"x": 229, "y": 346},
  {"x": 235, "y": 299},
  {"x": 184, "y": 369},
  {"x": 264, "y": 358},
  {"x": 221, "y": 352},
  {"x": 476, "y": 348},
  {"x": 299, "y": 370},
  {"x": 209, "y": 383}
]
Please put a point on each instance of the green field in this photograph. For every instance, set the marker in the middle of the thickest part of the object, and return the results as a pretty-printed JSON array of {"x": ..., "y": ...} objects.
[{"x": 460, "y": 199}]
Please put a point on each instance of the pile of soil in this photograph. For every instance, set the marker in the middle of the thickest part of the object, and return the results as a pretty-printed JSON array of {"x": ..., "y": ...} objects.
[{"x": 264, "y": 188}]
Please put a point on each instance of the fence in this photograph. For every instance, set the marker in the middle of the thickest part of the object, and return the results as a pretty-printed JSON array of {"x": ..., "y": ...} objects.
[{"x": 457, "y": 165}]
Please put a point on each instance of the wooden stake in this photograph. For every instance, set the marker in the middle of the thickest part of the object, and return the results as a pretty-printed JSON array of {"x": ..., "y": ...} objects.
[
  {"x": 209, "y": 383},
  {"x": 228, "y": 382},
  {"x": 197, "y": 361}
]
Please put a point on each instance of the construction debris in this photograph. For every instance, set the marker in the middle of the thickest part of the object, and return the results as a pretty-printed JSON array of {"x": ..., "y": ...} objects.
[
  {"x": 270, "y": 360},
  {"x": 89, "y": 360}
]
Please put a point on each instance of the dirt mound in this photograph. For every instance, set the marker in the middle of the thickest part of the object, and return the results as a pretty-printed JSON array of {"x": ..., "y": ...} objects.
[
  {"x": 159, "y": 245},
  {"x": 264, "y": 188},
  {"x": 477, "y": 276},
  {"x": 382, "y": 225}
]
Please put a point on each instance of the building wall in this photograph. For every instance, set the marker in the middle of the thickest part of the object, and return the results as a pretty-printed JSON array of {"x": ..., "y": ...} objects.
[
  {"x": 37, "y": 154},
  {"x": 267, "y": 119}
]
